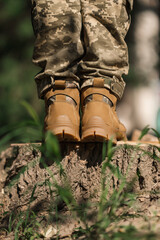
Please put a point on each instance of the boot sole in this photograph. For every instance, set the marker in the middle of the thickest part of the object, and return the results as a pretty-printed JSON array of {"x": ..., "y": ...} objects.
[
  {"x": 65, "y": 134},
  {"x": 98, "y": 135}
]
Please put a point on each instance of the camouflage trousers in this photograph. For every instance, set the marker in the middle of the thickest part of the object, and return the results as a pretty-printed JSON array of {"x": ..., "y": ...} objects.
[{"x": 80, "y": 40}]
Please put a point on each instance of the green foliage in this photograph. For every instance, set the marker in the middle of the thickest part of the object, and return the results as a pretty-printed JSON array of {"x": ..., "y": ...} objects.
[
  {"x": 156, "y": 133},
  {"x": 24, "y": 224},
  {"x": 146, "y": 130},
  {"x": 51, "y": 148},
  {"x": 32, "y": 113},
  {"x": 26, "y": 227},
  {"x": 16, "y": 69},
  {"x": 29, "y": 130}
]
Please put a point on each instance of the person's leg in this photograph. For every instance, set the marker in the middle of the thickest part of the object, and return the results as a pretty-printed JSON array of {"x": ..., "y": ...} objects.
[
  {"x": 57, "y": 26},
  {"x": 58, "y": 48},
  {"x": 105, "y": 24}
]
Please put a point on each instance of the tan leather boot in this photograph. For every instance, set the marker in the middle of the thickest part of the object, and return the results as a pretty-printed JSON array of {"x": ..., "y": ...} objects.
[
  {"x": 99, "y": 118},
  {"x": 62, "y": 112}
]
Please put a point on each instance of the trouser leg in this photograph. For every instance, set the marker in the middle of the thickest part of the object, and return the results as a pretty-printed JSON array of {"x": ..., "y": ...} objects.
[
  {"x": 105, "y": 23},
  {"x": 98, "y": 48},
  {"x": 57, "y": 26}
]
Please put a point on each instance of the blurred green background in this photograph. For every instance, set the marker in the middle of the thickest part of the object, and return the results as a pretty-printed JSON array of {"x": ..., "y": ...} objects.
[
  {"x": 16, "y": 68},
  {"x": 17, "y": 71}
]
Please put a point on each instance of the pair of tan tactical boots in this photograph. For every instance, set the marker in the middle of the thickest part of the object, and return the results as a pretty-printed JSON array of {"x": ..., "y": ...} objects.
[{"x": 99, "y": 118}]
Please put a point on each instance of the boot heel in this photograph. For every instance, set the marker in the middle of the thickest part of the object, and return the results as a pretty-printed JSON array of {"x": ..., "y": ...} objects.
[
  {"x": 66, "y": 134},
  {"x": 98, "y": 135}
]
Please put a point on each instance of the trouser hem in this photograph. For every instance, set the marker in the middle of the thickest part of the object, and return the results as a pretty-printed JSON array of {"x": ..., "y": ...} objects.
[
  {"x": 112, "y": 83},
  {"x": 47, "y": 82}
]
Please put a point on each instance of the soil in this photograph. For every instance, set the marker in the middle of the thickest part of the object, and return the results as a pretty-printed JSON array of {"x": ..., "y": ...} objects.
[{"x": 25, "y": 181}]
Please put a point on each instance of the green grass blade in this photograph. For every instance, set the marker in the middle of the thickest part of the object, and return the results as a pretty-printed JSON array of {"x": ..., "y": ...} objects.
[
  {"x": 144, "y": 132},
  {"x": 31, "y": 112}
]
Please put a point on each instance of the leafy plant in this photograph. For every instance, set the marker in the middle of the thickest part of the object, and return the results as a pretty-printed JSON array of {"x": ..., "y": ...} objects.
[
  {"x": 27, "y": 226},
  {"x": 146, "y": 130},
  {"x": 24, "y": 224},
  {"x": 29, "y": 130}
]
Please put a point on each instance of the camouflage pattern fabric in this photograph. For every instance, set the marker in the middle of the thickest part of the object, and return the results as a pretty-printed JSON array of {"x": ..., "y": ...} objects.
[{"x": 79, "y": 40}]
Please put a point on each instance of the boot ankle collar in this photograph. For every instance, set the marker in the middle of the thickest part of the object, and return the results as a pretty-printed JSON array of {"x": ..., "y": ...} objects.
[
  {"x": 103, "y": 98},
  {"x": 102, "y": 91}
]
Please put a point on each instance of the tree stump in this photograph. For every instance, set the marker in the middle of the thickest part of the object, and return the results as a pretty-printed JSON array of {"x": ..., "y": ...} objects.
[{"x": 25, "y": 181}]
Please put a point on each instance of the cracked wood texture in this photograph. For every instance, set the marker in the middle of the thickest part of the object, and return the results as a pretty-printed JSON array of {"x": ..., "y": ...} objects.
[{"x": 21, "y": 171}]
